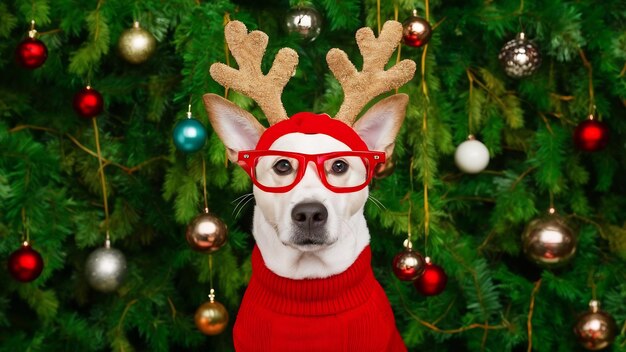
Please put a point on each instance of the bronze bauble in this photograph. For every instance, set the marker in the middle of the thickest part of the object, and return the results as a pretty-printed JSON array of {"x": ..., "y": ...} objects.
[
  {"x": 211, "y": 318},
  {"x": 206, "y": 233},
  {"x": 549, "y": 241},
  {"x": 136, "y": 44},
  {"x": 595, "y": 329}
]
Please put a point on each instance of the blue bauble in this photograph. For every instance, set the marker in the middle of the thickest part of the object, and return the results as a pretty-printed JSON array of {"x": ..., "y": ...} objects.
[{"x": 189, "y": 135}]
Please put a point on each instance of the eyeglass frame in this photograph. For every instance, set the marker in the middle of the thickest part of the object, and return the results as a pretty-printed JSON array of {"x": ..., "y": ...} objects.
[{"x": 247, "y": 160}]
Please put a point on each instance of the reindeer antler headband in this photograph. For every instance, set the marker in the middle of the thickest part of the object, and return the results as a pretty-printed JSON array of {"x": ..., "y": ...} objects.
[{"x": 359, "y": 87}]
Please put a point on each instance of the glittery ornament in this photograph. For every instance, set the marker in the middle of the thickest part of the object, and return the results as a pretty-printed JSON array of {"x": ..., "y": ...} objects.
[
  {"x": 305, "y": 21},
  {"x": 549, "y": 241},
  {"x": 595, "y": 329},
  {"x": 25, "y": 264},
  {"x": 31, "y": 52},
  {"x": 471, "y": 156},
  {"x": 408, "y": 265},
  {"x": 591, "y": 135},
  {"x": 416, "y": 31},
  {"x": 105, "y": 268},
  {"x": 136, "y": 44},
  {"x": 211, "y": 317},
  {"x": 88, "y": 103},
  {"x": 206, "y": 233},
  {"x": 433, "y": 281},
  {"x": 520, "y": 57},
  {"x": 189, "y": 135}
]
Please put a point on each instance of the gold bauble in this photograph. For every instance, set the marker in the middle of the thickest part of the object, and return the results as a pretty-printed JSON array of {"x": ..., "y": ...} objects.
[
  {"x": 136, "y": 44},
  {"x": 206, "y": 233},
  {"x": 595, "y": 329},
  {"x": 211, "y": 318},
  {"x": 549, "y": 241}
]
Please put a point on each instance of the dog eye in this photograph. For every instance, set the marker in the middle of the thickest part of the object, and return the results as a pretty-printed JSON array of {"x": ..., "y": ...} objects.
[
  {"x": 339, "y": 167},
  {"x": 282, "y": 167}
]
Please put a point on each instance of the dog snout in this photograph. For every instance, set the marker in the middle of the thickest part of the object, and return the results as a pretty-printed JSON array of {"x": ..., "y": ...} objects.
[{"x": 309, "y": 216}]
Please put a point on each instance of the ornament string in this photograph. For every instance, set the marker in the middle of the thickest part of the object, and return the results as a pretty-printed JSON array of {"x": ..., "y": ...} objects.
[
  {"x": 395, "y": 17},
  {"x": 529, "y": 324},
  {"x": 103, "y": 182},
  {"x": 589, "y": 68},
  {"x": 424, "y": 142},
  {"x": 471, "y": 94},
  {"x": 206, "y": 203},
  {"x": 26, "y": 234},
  {"x": 212, "y": 291}
]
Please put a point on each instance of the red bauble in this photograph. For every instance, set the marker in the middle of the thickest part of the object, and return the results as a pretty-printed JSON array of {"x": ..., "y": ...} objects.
[
  {"x": 88, "y": 103},
  {"x": 416, "y": 31},
  {"x": 408, "y": 265},
  {"x": 31, "y": 53},
  {"x": 25, "y": 264},
  {"x": 591, "y": 135},
  {"x": 432, "y": 282}
]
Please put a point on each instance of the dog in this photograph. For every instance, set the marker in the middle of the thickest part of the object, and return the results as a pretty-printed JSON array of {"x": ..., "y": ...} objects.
[{"x": 312, "y": 286}]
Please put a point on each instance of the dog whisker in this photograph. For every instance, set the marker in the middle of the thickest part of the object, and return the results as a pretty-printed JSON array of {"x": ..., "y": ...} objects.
[
  {"x": 238, "y": 199},
  {"x": 241, "y": 203},
  {"x": 376, "y": 202}
]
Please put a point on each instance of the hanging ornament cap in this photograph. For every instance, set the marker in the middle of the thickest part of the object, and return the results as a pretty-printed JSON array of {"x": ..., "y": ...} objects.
[
  {"x": 549, "y": 241},
  {"x": 595, "y": 329},
  {"x": 520, "y": 57}
]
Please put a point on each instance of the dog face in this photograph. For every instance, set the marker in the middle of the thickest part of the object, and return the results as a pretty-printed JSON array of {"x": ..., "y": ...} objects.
[{"x": 310, "y": 216}]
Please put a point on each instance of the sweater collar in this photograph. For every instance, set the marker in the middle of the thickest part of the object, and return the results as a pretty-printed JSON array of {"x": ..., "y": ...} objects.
[{"x": 330, "y": 295}]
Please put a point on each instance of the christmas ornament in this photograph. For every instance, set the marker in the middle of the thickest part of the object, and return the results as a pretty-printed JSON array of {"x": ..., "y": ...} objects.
[
  {"x": 416, "y": 31},
  {"x": 206, "y": 233},
  {"x": 549, "y": 241},
  {"x": 591, "y": 135},
  {"x": 520, "y": 57},
  {"x": 305, "y": 21},
  {"x": 189, "y": 135},
  {"x": 105, "y": 268},
  {"x": 408, "y": 265},
  {"x": 88, "y": 103},
  {"x": 25, "y": 264},
  {"x": 385, "y": 169},
  {"x": 211, "y": 317},
  {"x": 136, "y": 44},
  {"x": 31, "y": 52},
  {"x": 433, "y": 281},
  {"x": 595, "y": 329},
  {"x": 471, "y": 156}
]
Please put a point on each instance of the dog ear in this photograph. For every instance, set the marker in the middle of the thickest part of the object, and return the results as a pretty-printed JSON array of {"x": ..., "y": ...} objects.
[
  {"x": 379, "y": 126},
  {"x": 237, "y": 128}
]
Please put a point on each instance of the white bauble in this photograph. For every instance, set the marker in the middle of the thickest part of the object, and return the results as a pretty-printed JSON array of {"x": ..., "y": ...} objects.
[{"x": 471, "y": 156}]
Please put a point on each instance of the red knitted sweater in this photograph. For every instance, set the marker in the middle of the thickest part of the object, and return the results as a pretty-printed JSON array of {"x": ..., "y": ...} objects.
[{"x": 345, "y": 312}]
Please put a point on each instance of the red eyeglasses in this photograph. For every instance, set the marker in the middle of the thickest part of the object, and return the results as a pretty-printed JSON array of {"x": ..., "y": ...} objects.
[{"x": 341, "y": 172}]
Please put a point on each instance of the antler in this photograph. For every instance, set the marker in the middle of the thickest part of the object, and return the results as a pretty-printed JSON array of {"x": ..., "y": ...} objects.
[
  {"x": 361, "y": 87},
  {"x": 248, "y": 50}
]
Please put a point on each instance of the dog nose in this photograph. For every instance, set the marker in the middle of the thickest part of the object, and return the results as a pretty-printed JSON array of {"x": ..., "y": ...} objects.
[{"x": 309, "y": 215}]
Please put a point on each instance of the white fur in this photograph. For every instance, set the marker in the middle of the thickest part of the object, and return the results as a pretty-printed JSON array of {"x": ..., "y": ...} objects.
[{"x": 346, "y": 229}]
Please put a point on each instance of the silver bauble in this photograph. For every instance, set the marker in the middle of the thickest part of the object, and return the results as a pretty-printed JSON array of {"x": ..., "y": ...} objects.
[
  {"x": 136, "y": 44},
  {"x": 520, "y": 57},
  {"x": 105, "y": 269},
  {"x": 305, "y": 21},
  {"x": 549, "y": 241}
]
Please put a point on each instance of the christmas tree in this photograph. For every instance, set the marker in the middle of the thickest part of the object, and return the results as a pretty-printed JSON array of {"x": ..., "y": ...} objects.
[{"x": 548, "y": 107}]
